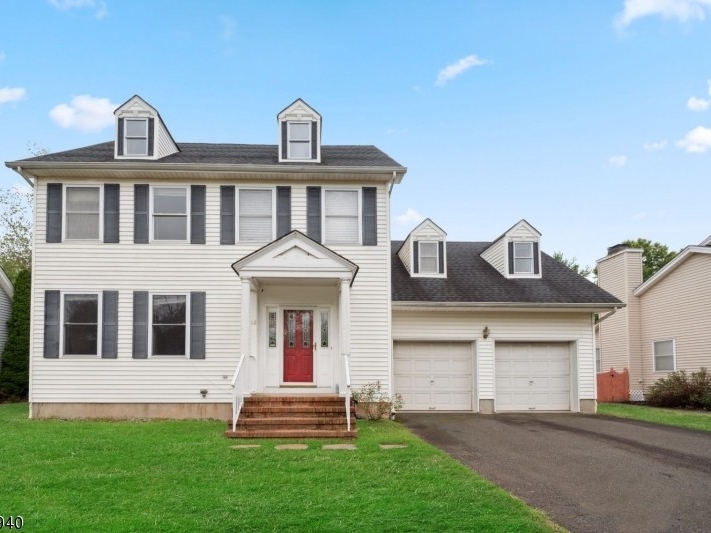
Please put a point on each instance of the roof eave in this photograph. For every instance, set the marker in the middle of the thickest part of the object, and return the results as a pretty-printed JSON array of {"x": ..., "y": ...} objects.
[{"x": 508, "y": 306}]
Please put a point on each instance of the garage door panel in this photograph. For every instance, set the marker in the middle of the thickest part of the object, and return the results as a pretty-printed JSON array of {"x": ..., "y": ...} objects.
[{"x": 402, "y": 366}]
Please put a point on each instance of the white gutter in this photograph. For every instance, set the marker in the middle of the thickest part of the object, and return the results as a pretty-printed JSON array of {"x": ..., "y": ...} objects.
[
  {"x": 29, "y": 178},
  {"x": 608, "y": 315},
  {"x": 503, "y": 306}
]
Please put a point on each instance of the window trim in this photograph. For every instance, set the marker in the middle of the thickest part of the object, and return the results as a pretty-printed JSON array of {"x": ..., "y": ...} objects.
[
  {"x": 99, "y": 323},
  {"x": 126, "y": 136},
  {"x": 151, "y": 214},
  {"x": 289, "y": 140},
  {"x": 654, "y": 354},
  {"x": 530, "y": 272},
  {"x": 324, "y": 216},
  {"x": 65, "y": 224},
  {"x": 185, "y": 294},
  {"x": 238, "y": 192}
]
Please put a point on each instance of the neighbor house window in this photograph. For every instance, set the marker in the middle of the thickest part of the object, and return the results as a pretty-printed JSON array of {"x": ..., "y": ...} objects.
[
  {"x": 664, "y": 355},
  {"x": 170, "y": 213},
  {"x": 136, "y": 136},
  {"x": 299, "y": 140},
  {"x": 256, "y": 215},
  {"x": 429, "y": 260},
  {"x": 341, "y": 220},
  {"x": 82, "y": 213},
  {"x": 169, "y": 314},
  {"x": 523, "y": 257},
  {"x": 80, "y": 320},
  {"x": 598, "y": 361}
]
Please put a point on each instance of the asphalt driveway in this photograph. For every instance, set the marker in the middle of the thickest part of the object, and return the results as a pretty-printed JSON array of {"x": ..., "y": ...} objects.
[{"x": 588, "y": 472}]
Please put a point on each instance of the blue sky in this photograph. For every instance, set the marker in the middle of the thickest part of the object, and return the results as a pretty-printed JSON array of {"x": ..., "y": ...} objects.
[{"x": 591, "y": 120}]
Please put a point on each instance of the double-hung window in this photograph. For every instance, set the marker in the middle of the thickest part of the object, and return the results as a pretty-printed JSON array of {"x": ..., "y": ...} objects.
[
  {"x": 80, "y": 324},
  {"x": 664, "y": 356},
  {"x": 169, "y": 318},
  {"x": 523, "y": 257},
  {"x": 82, "y": 212},
  {"x": 299, "y": 140},
  {"x": 170, "y": 213},
  {"x": 256, "y": 215},
  {"x": 136, "y": 136},
  {"x": 341, "y": 216},
  {"x": 429, "y": 258}
]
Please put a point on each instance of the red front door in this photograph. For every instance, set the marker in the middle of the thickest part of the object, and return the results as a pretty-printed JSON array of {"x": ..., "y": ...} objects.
[{"x": 298, "y": 347}]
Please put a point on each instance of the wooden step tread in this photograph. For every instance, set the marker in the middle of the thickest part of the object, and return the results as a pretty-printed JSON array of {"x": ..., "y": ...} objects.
[{"x": 242, "y": 433}]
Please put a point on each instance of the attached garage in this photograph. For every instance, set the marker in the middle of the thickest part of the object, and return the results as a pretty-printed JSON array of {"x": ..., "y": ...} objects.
[
  {"x": 533, "y": 376},
  {"x": 434, "y": 375}
]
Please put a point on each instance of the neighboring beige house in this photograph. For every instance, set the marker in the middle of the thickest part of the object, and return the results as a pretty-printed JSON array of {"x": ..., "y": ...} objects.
[
  {"x": 665, "y": 325},
  {"x": 6, "y": 294}
]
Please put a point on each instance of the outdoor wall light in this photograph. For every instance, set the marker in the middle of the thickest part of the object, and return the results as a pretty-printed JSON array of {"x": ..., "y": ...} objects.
[
  {"x": 203, "y": 392},
  {"x": 485, "y": 333}
]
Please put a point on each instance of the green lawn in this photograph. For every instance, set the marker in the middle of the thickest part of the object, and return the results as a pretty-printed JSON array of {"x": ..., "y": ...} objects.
[
  {"x": 183, "y": 475},
  {"x": 668, "y": 417}
]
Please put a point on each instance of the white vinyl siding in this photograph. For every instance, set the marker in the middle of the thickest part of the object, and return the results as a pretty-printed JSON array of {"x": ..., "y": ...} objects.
[
  {"x": 664, "y": 356},
  {"x": 135, "y": 137},
  {"x": 170, "y": 208},
  {"x": 495, "y": 256},
  {"x": 80, "y": 317},
  {"x": 82, "y": 212},
  {"x": 341, "y": 220},
  {"x": 255, "y": 211}
]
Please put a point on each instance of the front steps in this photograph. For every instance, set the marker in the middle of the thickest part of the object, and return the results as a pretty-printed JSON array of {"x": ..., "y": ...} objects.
[{"x": 293, "y": 416}]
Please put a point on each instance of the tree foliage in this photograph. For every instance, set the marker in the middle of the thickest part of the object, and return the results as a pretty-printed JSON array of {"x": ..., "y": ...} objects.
[
  {"x": 654, "y": 255},
  {"x": 15, "y": 230},
  {"x": 573, "y": 264},
  {"x": 14, "y": 373}
]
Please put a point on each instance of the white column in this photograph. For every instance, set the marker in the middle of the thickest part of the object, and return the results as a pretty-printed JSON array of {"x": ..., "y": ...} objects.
[
  {"x": 344, "y": 319},
  {"x": 245, "y": 343}
]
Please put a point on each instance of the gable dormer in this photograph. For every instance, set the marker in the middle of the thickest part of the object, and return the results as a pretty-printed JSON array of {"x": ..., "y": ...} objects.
[
  {"x": 140, "y": 132},
  {"x": 424, "y": 252},
  {"x": 516, "y": 253},
  {"x": 299, "y": 133}
]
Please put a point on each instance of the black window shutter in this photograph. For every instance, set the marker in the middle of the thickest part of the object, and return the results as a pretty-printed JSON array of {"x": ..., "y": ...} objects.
[
  {"x": 140, "y": 214},
  {"x": 197, "y": 214},
  {"x": 416, "y": 257},
  {"x": 51, "y": 324},
  {"x": 109, "y": 331},
  {"x": 441, "y": 257},
  {"x": 511, "y": 258},
  {"x": 283, "y": 211},
  {"x": 314, "y": 140},
  {"x": 227, "y": 214},
  {"x": 119, "y": 140},
  {"x": 151, "y": 134},
  {"x": 536, "y": 262},
  {"x": 284, "y": 141},
  {"x": 54, "y": 212},
  {"x": 140, "y": 324},
  {"x": 111, "y": 213},
  {"x": 370, "y": 218},
  {"x": 197, "y": 325},
  {"x": 313, "y": 213}
]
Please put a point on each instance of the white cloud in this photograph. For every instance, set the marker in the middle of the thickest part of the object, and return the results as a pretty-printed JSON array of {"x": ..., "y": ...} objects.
[
  {"x": 655, "y": 146},
  {"x": 697, "y": 141},
  {"x": 697, "y": 104},
  {"x": 618, "y": 160},
  {"x": 14, "y": 94},
  {"x": 228, "y": 27},
  {"x": 85, "y": 113},
  {"x": 682, "y": 10},
  {"x": 409, "y": 218},
  {"x": 455, "y": 69},
  {"x": 102, "y": 10}
]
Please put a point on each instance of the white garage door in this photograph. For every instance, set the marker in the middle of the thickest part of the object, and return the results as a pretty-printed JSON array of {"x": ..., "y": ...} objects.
[
  {"x": 532, "y": 376},
  {"x": 434, "y": 375}
]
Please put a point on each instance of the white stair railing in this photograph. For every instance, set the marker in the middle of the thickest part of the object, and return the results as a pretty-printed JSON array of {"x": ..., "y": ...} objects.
[
  {"x": 347, "y": 375},
  {"x": 237, "y": 385}
]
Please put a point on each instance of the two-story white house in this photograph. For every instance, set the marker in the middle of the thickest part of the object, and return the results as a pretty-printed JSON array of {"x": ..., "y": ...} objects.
[{"x": 161, "y": 267}]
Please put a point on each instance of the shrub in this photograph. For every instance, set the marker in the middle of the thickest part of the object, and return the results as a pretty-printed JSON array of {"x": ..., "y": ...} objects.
[
  {"x": 374, "y": 403},
  {"x": 14, "y": 375},
  {"x": 681, "y": 390}
]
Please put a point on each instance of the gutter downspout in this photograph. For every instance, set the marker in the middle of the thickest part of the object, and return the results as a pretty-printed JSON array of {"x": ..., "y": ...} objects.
[
  {"x": 392, "y": 184},
  {"x": 27, "y": 177},
  {"x": 608, "y": 315}
]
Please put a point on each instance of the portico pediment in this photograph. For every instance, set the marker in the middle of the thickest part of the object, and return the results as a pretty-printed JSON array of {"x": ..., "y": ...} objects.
[{"x": 295, "y": 256}]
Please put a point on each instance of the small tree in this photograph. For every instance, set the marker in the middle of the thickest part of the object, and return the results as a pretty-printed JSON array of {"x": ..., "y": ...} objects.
[
  {"x": 654, "y": 255},
  {"x": 15, "y": 371},
  {"x": 573, "y": 264},
  {"x": 16, "y": 230}
]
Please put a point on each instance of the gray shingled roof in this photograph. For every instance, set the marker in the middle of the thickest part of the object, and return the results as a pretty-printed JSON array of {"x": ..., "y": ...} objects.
[
  {"x": 231, "y": 154},
  {"x": 470, "y": 279}
]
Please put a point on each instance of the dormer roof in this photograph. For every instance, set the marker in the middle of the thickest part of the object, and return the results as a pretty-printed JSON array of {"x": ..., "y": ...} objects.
[
  {"x": 299, "y": 133},
  {"x": 424, "y": 251},
  {"x": 141, "y": 132},
  {"x": 516, "y": 253}
]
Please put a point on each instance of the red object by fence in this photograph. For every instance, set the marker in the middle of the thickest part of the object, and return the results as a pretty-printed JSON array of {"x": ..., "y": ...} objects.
[{"x": 613, "y": 386}]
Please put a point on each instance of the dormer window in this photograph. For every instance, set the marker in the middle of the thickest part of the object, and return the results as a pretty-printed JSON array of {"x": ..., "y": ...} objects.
[
  {"x": 523, "y": 257},
  {"x": 299, "y": 140},
  {"x": 429, "y": 257},
  {"x": 299, "y": 133},
  {"x": 136, "y": 137}
]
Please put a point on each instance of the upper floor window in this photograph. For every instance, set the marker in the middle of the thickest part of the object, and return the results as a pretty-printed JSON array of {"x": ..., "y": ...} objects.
[
  {"x": 299, "y": 140},
  {"x": 80, "y": 321},
  {"x": 82, "y": 212},
  {"x": 136, "y": 136},
  {"x": 429, "y": 257},
  {"x": 664, "y": 356},
  {"x": 341, "y": 216},
  {"x": 256, "y": 215},
  {"x": 523, "y": 257},
  {"x": 170, "y": 213}
]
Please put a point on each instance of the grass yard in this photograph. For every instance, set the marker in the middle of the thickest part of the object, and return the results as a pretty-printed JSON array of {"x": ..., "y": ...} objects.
[
  {"x": 668, "y": 417},
  {"x": 184, "y": 475}
]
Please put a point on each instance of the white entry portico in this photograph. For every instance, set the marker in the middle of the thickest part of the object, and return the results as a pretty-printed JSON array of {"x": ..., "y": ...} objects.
[{"x": 290, "y": 280}]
